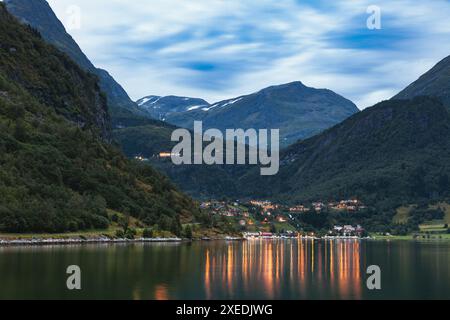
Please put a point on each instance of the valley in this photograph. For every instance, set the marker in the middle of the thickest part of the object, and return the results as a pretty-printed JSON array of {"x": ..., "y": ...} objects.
[{"x": 393, "y": 157}]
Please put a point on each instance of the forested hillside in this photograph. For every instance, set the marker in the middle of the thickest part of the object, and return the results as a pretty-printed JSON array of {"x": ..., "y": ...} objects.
[
  {"x": 57, "y": 173},
  {"x": 394, "y": 153}
]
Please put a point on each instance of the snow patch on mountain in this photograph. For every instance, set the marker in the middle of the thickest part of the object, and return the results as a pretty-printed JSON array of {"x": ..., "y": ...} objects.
[
  {"x": 148, "y": 100},
  {"x": 195, "y": 107}
]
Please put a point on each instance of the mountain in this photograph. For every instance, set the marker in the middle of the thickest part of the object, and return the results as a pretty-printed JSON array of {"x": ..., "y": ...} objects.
[
  {"x": 78, "y": 97},
  {"x": 57, "y": 172},
  {"x": 124, "y": 113},
  {"x": 434, "y": 83},
  {"x": 292, "y": 107},
  {"x": 40, "y": 16},
  {"x": 394, "y": 153},
  {"x": 297, "y": 110},
  {"x": 163, "y": 107}
]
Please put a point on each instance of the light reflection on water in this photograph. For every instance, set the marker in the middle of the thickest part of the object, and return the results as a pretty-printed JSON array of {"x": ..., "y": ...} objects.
[
  {"x": 257, "y": 269},
  {"x": 269, "y": 268}
]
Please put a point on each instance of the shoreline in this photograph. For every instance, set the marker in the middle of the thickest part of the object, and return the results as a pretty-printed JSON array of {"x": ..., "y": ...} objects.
[
  {"x": 18, "y": 241},
  {"x": 79, "y": 241},
  {"x": 42, "y": 241}
]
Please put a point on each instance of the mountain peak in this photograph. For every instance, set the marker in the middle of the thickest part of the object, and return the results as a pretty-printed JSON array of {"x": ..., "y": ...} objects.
[
  {"x": 161, "y": 107},
  {"x": 434, "y": 83},
  {"x": 286, "y": 86}
]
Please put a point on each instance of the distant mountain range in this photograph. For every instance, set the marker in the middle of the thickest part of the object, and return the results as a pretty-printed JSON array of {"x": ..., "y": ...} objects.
[
  {"x": 297, "y": 110},
  {"x": 396, "y": 152}
]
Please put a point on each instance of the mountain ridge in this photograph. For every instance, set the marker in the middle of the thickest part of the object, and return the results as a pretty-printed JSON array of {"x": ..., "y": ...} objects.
[
  {"x": 433, "y": 83},
  {"x": 297, "y": 110},
  {"x": 160, "y": 108},
  {"x": 40, "y": 16}
]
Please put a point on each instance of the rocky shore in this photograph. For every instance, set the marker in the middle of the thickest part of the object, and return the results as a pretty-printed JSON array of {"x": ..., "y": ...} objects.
[{"x": 37, "y": 242}]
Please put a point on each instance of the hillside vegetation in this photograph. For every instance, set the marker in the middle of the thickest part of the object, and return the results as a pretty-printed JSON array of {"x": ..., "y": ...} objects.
[
  {"x": 395, "y": 153},
  {"x": 57, "y": 173}
]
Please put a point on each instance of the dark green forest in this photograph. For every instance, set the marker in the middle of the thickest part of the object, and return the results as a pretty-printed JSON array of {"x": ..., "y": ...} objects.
[{"x": 394, "y": 153}]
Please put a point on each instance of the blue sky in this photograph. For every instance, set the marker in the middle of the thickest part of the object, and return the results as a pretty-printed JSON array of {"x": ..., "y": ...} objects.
[{"x": 218, "y": 49}]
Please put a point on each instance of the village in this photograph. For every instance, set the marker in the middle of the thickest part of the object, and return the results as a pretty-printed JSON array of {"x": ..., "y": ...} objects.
[{"x": 264, "y": 219}]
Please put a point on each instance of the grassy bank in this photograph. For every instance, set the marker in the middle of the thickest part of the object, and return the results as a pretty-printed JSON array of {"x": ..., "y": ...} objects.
[{"x": 421, "y": 237}]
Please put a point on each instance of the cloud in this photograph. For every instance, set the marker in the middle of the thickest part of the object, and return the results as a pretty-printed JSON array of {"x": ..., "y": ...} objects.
[{"x": 217, "y": 49}]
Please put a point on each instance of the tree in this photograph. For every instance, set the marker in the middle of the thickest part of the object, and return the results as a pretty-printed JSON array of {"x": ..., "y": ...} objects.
[
  {"x": 20, "y": 131},
  {"x": 164, "y": 222},
  {"x": 175, "y": 227},
  {"x": 15, "y": 112},
  {"x": 124, "y": 223},
  {"x": 273, "y": 229},
  {"x": 188, "y": 232},
  {"x": 131, "y": 233},
  {"x": 120, "y": 234},
  {"x": 115, "y": 218},
  {"x": 148, "y": 233}
]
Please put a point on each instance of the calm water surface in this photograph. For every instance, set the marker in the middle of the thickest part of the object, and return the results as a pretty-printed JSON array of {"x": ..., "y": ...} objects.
[{"x": 265, "y": 269}]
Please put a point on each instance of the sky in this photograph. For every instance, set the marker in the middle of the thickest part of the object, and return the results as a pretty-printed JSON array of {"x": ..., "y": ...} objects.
[{"x": 220, "y": 49}]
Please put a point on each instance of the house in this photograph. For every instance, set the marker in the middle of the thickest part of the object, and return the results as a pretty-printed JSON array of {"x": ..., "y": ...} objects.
[
  {"x": 229, "y": 214},
  {"x": 205, "y": 205},
  {"x": 360, "y": 230},
  {"x": 266, "y": 234},
  {"x": 250, "y": 235},
  {"x": 165, "y": 155},
  {"x": 318, "y": 206},
  {"x": 299, "y": 208},
  {"x": 140, "y": 158},
  {"x": 349, "y": 229}
]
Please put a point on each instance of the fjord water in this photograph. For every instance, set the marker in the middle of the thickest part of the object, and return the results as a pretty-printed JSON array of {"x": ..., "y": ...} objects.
[{"x": 262, "y": 269}]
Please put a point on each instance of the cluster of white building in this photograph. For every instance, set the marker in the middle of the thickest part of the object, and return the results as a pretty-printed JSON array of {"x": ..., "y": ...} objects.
[{"x": 348, "y": 230}]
